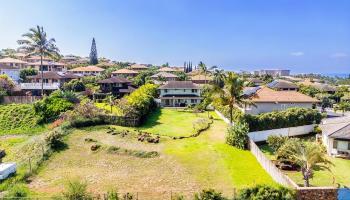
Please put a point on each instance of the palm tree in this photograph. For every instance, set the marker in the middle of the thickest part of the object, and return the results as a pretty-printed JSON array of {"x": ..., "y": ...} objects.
[
  {"x": 205, "y": 70},
  {"x": 219, "y": 77},
  {"x": 36, "y": 42},
  {"x": 232, "y": 93},
  {"x": 307, "y": 155}
]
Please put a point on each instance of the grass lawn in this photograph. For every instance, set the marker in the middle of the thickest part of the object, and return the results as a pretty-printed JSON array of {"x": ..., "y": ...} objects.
[
  {"x": 185, "y": 166},
  {"x": 171, "y": 122},
  {"x": 340, "y": 172}
]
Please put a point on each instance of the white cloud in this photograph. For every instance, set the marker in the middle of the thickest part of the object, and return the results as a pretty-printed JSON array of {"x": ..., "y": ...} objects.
[
  {"x": 339, "y": 55},
  {"x": 298, "y": 53}
]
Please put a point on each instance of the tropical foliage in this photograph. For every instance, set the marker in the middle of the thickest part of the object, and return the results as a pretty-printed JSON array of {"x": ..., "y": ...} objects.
[
  {"x": 237, "y": 135},
  {"x": 27, "y": 72},
  {"x": 6, "y": 85},
  {"x": 281, "y": 119},
  {"x": 265, "y": 192},
  {"x": 35, "y": 42},
  {"x": 74, "y": 85}
]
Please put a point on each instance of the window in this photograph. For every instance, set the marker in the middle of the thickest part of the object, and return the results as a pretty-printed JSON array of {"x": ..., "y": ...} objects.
[
  {"x": 165, "y": 90},
  {"x": 184, "y": 90},
  {"x": 348, "y": 145},
  {"x": 193, "y": 101},
  {"x": 335, "y": 144},
  {"x": 194, "y": 90}
]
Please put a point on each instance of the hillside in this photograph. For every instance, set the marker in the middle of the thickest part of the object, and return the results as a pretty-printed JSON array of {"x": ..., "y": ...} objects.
[{"x": 17, "y": 118}]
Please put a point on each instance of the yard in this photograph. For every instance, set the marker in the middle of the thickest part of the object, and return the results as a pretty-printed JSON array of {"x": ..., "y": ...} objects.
[
  {"x": 338, "y": 175},
  {"x": 183, "y": 166}
]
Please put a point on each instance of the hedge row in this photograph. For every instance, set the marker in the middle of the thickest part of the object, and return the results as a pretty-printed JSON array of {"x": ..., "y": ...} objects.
[{"x": 282, "y": 119}]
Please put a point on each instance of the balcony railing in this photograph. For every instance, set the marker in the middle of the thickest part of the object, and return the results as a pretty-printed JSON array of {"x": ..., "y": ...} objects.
[{"x": 37, "y": 86}]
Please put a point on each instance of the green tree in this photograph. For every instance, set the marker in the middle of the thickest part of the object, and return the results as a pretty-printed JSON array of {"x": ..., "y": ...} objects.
[
  {"x": 232, "y": 93},
  {"x": 6, "y": 85},
  {"x": 237, "y": 135},
  {"x": 74, "y": 85},
  {"x": 308, "y": 155},
  {"x": 36, "y": 42},
  {"x": 7, "y": 53},
  {"x": 93, "y": 53},
  {"x": 219, "y": 77},
  {"x": 27, "y": 72},
  {"x": 205, "y": 70},
  {"x": 343, "y": 106}
]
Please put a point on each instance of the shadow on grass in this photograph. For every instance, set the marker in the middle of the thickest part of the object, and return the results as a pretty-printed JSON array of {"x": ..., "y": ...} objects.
[{"x": 151, "y": 120}]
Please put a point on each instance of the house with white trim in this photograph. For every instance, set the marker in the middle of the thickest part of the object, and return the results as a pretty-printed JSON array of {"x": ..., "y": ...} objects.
[{"x": 179, "y": 94}]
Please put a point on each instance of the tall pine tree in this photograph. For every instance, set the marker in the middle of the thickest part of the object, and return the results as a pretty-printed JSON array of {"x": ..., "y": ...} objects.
[{"x": 93, "y": 53}]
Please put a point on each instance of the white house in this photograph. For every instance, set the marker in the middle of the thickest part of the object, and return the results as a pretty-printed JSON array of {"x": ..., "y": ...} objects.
[
  {"x": 179, "y": 94},
  {"x": 336, "y": 135},
  {"x": 268, "y": 100}
]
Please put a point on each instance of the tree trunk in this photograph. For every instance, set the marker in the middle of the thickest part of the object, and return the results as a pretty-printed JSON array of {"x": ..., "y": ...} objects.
[
  {"x": 42, "y": 74},
  {"x": 306, "y": 176}
]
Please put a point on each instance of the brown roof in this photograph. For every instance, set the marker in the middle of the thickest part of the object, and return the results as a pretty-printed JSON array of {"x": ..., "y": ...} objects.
[
  {"x": 165, "y": 75},
  {"x": 12, "y": 60},
  {"x": 138, "y": 66},
  {"x": 87, "y": 69},
  {"x": 179, "y": 85},
  {"x": 54, "y": 75},
  {"x": 115, "y": 80},
  {"x": 125, "y": 71},
  {"x": 168, "y": 69},
  {"x": 201, "y": 77},
  {"x": 265, "y": 94},
  {"x": 282, "y": 84}
]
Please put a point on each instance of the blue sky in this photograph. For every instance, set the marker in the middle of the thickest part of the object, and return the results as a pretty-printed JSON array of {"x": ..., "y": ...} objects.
[{"x": 301, "y": 35}]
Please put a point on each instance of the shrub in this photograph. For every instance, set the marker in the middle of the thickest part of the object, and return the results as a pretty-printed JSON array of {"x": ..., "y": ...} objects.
[
  {"x": 52, "y": 106},
  {"x": 276, "y": 141},
  {"x": 17, "y": 191},
  {"x": 237, "y": 135},
  {"x": 27, "y": 72},
  {"x": 201, "y": 124},
  {"x": 112, "y": 195},
  {"x": 209, "y": 195},
  {"x": 264, "y": 192},
  {"x": 76, "y": 190},
  {"x": 74, "y": 85},
  {"x": 54, "y": 139},
  {"x": 282, "y": 152},
  {"x": 281, "y": 119}
]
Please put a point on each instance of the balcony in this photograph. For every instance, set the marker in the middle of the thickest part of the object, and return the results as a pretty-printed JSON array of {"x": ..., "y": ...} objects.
[{"x": 37, "y": 86}]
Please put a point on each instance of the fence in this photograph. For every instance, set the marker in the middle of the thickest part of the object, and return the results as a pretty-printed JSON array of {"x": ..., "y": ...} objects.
[
  {"x": 270, "y": 167},
  {"x": 19, "y": 99},
  {"x": 260, "y": 136}
]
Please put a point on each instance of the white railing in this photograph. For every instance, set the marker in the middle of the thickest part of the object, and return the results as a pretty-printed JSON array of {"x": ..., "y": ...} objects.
[{"x": 37, "y": 86}]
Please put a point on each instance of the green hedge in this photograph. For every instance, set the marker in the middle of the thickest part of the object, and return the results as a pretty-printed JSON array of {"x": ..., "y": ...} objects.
[{"x": 282, "y": 119}]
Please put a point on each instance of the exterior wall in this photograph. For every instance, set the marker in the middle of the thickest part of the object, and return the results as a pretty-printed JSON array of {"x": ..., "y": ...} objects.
[
  {"x": 177, "y": 102},
  {"x": 86, "y": 73},
  {"x": 12, "y": 73},
  {"x": 260, "y": 136},
  {"x": 179, "y": 92},
  {"x": 269, "y": 107}
]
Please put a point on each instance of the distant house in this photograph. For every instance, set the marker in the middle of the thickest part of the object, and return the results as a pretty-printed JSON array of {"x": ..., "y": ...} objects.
[
  {"x": 201, "y": 79},
  {"x": 50, "y": 66},
  {"x": 117, "y": 86},
  {"x": 324, "y": 88},
  {"x": 256, "y": 81},
  {"x": 268, "y": 100},
  {"x": 11, "y": 62},
  {"x": 138, "y": 67},
  {"x": 282, "y": 85},
  {"x": 273, "y": 72},
  {"x": 52, "y": 81},
  {"x": 125, "y": 73},
  {"x": 164, "y": 75},
  {"x": 168, "y": 69},
  {"x": 11, "y": 72},
  {"x": 336, "y": 136},
  {"x": 179, "y": 94},
  {"x": 87, "y": 71}
]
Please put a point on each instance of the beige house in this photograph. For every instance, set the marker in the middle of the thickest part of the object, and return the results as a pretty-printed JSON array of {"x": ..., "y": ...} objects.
[
  {"x": 87, "y": 71},
  {"x": 268, "y": 100},
  {"x": 164, "y": 75},
  {"x": 125, "y": 73},
  {"x": 138, "y": 67},
  {"x": 179, "y": 94},
  {"x": 11, "y": 62},
  {"x": 48, "y": 66},
  {"x": 283, "y": 85},
  {"x": 336, "y": 136},
  {"x": 168, "y": 69},
  {"x": 202, "y": 79}
]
